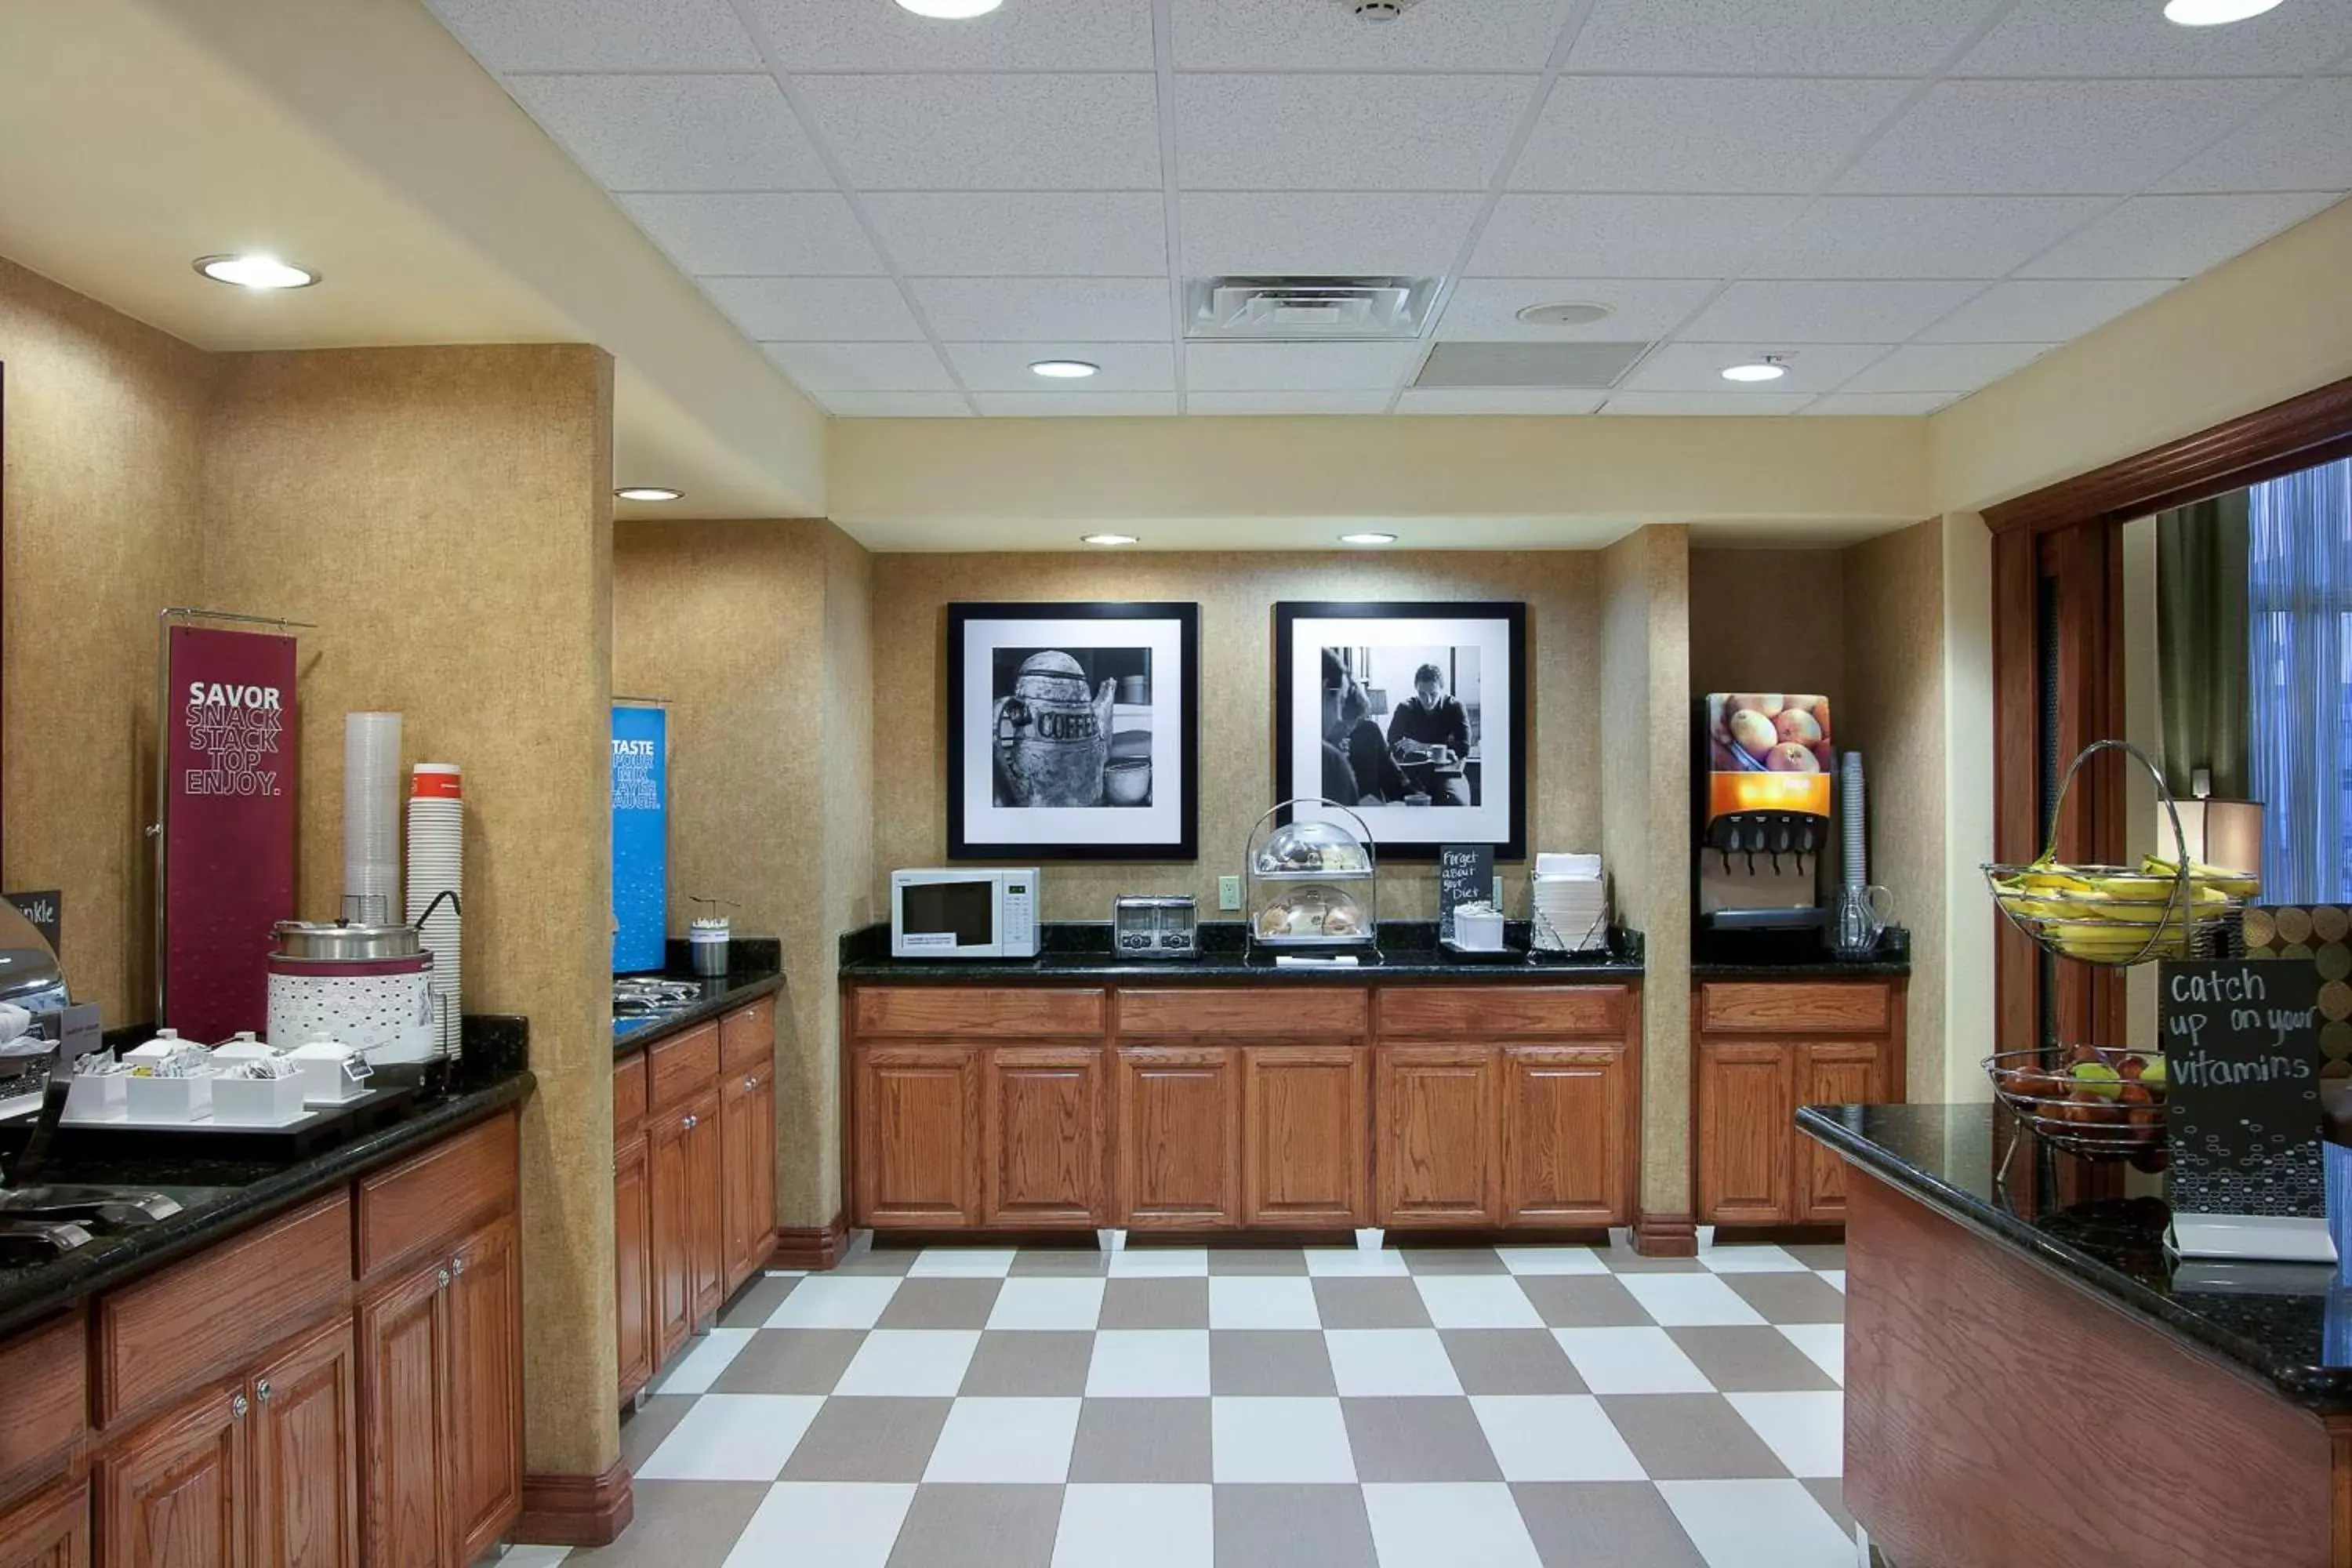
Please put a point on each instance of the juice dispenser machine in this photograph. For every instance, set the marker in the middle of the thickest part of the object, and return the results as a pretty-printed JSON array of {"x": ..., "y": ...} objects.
[{"x": 1763, "y": 810}]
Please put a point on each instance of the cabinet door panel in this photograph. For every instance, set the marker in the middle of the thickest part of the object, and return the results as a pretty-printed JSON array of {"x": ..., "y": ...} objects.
[
  {"x": 706, "y": 1215},
  {"x": 1305, "y": 1115},
  {"x": 1179, "y": 1138},
  {"x": 762, "y": 1172},
  {"x": 1042, "y": 1136},
  {"x": 403, "y": 1415},
  {"x": 1747, "y": 1098},
  {"x": 484, "y": 1382},
  {"x": 633, "y": 1304},
  {"x": 171, "y": 1494},
  {"x": 1844, "y": 1072},
  {"x": 747, "y": 1150},
  {"x": 1435, "y": 1162},
  {"x": 48, "y": 1530},
  {"x": 1564, "y": 1135},
  {"x": 305, "y": 1492},
  {"x": 916, "y": 1137},
  {"x": 671, "y": 1183}
]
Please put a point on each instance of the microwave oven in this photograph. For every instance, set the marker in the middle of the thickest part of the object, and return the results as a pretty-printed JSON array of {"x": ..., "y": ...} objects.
[{"x": 963, "y": 913}]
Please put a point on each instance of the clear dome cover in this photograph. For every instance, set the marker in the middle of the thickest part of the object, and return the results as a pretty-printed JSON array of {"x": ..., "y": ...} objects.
[
  {"x": 1313, "y": 912},
  {"x": 1312, "y": 846}
]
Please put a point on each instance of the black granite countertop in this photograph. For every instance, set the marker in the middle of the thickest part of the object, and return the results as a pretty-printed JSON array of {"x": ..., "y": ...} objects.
[
  {"x": 1793, "y": 955},
  {"x": 714, "y": 996},
  {"x": 2286, "y": 1325}
]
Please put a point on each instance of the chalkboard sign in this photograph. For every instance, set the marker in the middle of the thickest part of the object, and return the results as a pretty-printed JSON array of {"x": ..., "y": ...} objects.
[
  {"x": 1465, "y": 874},
  {"x": 2241, "y": 1051},
  {"x": 46, "y": 911}
]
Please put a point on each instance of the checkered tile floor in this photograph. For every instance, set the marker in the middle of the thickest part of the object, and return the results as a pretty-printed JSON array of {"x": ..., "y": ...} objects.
[{"x": 969, "y": 1409}]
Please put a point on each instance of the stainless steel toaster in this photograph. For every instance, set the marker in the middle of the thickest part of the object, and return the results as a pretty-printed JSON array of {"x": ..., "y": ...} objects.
[{"x": 1155, "y": 927}]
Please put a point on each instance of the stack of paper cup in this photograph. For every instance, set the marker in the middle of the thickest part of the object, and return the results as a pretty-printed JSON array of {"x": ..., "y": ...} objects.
[
  {"x": 371, "y": 817},
  {"x": 1570, "y": 903},
  {"x": 436, "y": 863}
]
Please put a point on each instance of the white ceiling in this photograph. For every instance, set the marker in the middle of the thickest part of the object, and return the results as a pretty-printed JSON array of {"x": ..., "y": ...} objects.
[{"x": 1910, "y": 198}]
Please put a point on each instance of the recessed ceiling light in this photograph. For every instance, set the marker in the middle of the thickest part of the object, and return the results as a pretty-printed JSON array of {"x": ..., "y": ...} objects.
[
  {"x": 1107, "y": 539},
  {"x": 255, "y": 271},
  {"x": 949, "y": 10},
  {"x": 1063, "y": 369},
  {"x": 648, "y": 492},
  {"x": 1766, "y": 367},
  {"x": 2214, "y": 13},
  {"x": 1571, "y": 315},
  {"x": 1368, "y": 539}
]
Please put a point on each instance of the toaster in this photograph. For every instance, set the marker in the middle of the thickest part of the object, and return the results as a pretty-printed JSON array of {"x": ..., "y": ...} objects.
[{"x": 1155, "y": 927}]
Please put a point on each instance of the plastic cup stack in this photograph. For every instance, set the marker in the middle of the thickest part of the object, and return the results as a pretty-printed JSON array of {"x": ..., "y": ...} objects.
[
  {"x": 370, "y": 816},
  {"x": 436, "y": 864}
]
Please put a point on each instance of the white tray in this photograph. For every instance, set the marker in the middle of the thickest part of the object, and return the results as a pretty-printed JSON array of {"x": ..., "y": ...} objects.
[{"x": 120, "y": 1117}]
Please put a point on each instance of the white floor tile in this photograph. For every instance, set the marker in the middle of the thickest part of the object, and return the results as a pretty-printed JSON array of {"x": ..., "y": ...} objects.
[
  {"x": 1555, "y": 1437},
  {"x": 1446, "y": 1524},
  {"x": 961, "y": 1263},
  {"x": 1630, "y": 1360},
  {"x": 732, "y": 1437},
  {"x": 1477, "y": 1301},
  {"x": 1690, "y": 1300},
  {"x": 1136, "y": 1527},
  {"x": 1806, "y": 1430},
  {"x": 1262, "y": 1301},
  {"x": 1298, "y": 1441},
  {"x": 1749, "y": 1260},
  {"x": 910, "y": 1363},
  {"x": 1044, "y": 1302},
  {"x": 533, "y": 1556},
  {"x": 1159, "y": 1263},
  {"x": 1823, "y": 1344},
  {"x": 1836, "y": 1276},
  {"x": 1551, "y": 1261},
  {"x": 1354, "y": 1263},
  {"x": 1005, "y": 1440},
  {"x": 699, "y": 1368},
  {"x": 1148, "y": 1364},
  {"x": 1374, "y": 1362},
  {"x": 836, "y": 1302},
  {"x": 823, "y": 1524},
  {"x": 1757, "y": 1524}
]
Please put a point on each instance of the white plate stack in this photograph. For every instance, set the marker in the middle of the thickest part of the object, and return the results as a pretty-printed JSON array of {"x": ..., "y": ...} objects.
[
  {"x": 371, "y": 818},
  {"x": 436, "y": 864},
  {"x": 1569, "y": 899}
]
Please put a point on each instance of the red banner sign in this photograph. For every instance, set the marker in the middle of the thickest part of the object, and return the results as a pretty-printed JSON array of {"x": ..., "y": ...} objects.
[{"x": 228, "y": 823}]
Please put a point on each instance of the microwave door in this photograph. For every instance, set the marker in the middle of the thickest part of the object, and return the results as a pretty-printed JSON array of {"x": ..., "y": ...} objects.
[{"x": 949, "y": 917}]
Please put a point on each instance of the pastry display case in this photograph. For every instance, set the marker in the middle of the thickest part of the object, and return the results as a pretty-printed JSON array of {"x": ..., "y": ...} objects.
[{"x": 1312, "y": 877}]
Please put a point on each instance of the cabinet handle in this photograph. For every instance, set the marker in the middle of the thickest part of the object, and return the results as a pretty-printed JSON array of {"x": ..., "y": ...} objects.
[
  {"x": 750, "y": 1083},
  {"x": 239, "y": 1405},
  {"x": 689, "y": 1123},
  {"x": 261, "y": 1391},
  {"x": 457, "y": 1264},
  {"x": 443, "y": 1277}
]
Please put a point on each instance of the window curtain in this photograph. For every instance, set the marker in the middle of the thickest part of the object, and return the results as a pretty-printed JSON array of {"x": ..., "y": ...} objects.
[
  {"x": 2200, "y": 630},
  {"x": 2299, "y": 645}
]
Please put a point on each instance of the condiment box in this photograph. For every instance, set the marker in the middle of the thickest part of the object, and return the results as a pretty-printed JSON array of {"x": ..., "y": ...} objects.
[
  {"x": 257, "y": 1101},
  {"x": 333, "y": 1074}
]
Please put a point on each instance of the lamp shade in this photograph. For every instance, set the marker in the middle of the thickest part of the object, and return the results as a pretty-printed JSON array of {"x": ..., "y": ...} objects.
[{"x": 2227, "y": 834}]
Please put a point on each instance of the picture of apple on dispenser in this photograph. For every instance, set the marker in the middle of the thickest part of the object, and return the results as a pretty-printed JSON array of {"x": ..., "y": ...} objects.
[{"x": 1770, "y": 733}]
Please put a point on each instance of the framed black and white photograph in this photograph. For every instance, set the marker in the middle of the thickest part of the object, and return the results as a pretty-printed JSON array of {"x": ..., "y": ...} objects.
[
  {"x": 1415, "y": 714},
  {"x": 1073, "y": 731}
]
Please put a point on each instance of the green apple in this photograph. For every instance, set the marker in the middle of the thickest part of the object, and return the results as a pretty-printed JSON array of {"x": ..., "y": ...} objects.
[
  {"x": 2155, "y": 1076},
  {"x": 2099, "y": 1079}
]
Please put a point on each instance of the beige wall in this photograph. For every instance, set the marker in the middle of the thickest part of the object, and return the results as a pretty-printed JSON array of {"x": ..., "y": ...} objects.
[
  {"x": 104, "y": 459},
  {"x": 444, "y": 516}
]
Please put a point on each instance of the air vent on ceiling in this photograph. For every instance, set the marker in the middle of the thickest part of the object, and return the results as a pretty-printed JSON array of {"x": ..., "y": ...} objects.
[
  {"x": 1590, "y": 365},
  {"x": 1307, "y": 309}
]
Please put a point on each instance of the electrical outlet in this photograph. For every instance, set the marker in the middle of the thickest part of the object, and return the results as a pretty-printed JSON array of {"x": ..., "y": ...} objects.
[{"x": 1228, "y": 892}]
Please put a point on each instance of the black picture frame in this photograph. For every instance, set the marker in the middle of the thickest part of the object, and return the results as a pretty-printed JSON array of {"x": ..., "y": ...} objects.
[
  {"x": 1498, "y": 621},
  {"x": 994, "y": 828}
]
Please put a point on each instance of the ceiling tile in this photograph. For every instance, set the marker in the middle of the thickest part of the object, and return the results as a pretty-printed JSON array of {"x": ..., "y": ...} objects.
[
  {"x": 1706, "y": 402},
  {"x": 2131, "y": 39},
  {"x": 1484, "y": 309},
  {"x": 1345, "y": 132},
  {"x": 1034, "y": 35},
  {"x": 2302, "y": 144},
  {"x": 675, "y": 133},
  {"x": 2041, "y": 310},
  {"x": 1040, "y": 233},
  {"x": 1945, "y": 367},
  {"x": 1626, "y": 236},
  {"x": 2172, "y": 237},
  {"x": 1792, "y": 314},
  {"x": 1792, "y": 37},
  {"x": 1496, "y": 400},
  {"x": 897, "y": 405},
  {"x": 815, "y": 310},
  {"x": 599, "y": 35},
  {"x": 1299, "y": 367},
  {"x": 1699, "y": 133},
  {"x": 1921, "y": 236},
  {"x": 863, "y": 367},
  {"x": 1320, "y": 34},
  {"x": 2070, "y": 137},
  {"x": 1899, "y": 403},
  {"x": 1327, "y": 233},
  {"x": 1286, "y": 401},
  {"x": 1125, "y": 367},
  {"x": 1699, "y": 367},
  {"x": 1026, "y": 309},
  {"x": 765, "y": 233},
  {"x": 1006, "y": 132},
  {"x": 1017, "y": 405}
]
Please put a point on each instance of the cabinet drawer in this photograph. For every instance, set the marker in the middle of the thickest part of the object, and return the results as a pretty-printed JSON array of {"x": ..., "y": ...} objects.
[
  {"x": 436, "y": 1198},
  {"x": 1290, "y": 1012},
  {"x": 46, "y": 1374},
  {"x": 628, "y": 1093},
  {"x": 1774, "y": 1007},
  {"x": 748, "y": 1035},
  {"x": 973, "y": 1010},
  {"x": 201, "y": 1318},
  {"x": 683, "y": 1067},
  {"x": 1492, "y": 1010}
]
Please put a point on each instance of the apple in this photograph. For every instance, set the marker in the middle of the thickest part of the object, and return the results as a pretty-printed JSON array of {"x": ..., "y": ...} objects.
[
  {"x": 1753, "y": 732},
  {"x": 2096, "y": 1078},
  {"x": 1800, "y": 727},
  {"x": 1792, "y": 758}
]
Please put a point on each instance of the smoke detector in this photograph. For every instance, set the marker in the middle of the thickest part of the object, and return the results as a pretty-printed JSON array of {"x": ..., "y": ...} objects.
[
  {"x": 1307, "y": 309},
  {"x": 1377, "y": 10}
]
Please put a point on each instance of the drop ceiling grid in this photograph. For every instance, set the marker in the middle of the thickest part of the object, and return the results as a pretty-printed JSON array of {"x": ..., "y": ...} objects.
[{"x": 879, "y": 200}]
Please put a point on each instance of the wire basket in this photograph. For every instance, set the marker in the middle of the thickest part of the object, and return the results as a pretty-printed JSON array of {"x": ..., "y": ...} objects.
[
  {"x": 2101, "y": 1105},
  {"x": 2121, "y": 915}
]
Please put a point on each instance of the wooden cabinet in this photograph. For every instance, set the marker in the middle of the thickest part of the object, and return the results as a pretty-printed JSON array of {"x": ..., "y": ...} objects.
[
  {"x": 1567, "y": 1143},
  {"x": 915, "y": 1136},
  {"x": 706, "y": 1235},
  {"x": 1746, "y": 1095},
  {"x": 172, "y": 1493},
  {"x": 48, "y": 1529},
  {"x": 304, "y": 1449},
  {"x": 681, "y": 1254},
  {"x": 1436, "y": 1155},
  {"x": 1042, "y": 1136},
  {"x": 1833, "y": 1072},
  {"x": 1304, "y": 1156},
  {"x": 484, "y": 1343},
  {"x": 747, "y": 1150},
  {"x": 1178, "y": 1133},
  {"x": 632, "y": 1261},
  {"x": 671, "y": 1183},
  {"x": 403, "y": 1334}
]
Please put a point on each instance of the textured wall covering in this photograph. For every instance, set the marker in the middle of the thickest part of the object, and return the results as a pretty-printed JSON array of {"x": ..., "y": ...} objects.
[
  {"x": 100, "y": 497},
  {"x": 1768, "y": 620},
  {"x": 445, "y": 516},
  {"x": 1236, "y": 593}
]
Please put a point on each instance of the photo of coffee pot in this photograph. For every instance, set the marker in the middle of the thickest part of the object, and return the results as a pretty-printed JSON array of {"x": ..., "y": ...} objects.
[{"x": 1051, "y": 735}]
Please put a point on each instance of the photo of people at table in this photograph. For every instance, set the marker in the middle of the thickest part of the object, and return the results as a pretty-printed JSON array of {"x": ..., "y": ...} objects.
[{"x": 1400, "y": 726}]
